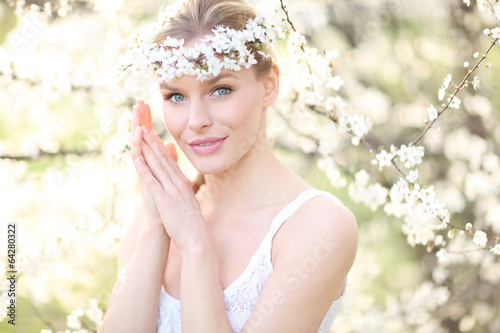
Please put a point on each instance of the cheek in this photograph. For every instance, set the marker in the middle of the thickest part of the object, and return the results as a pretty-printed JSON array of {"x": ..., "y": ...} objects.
[{"x": 173, "y": 124}]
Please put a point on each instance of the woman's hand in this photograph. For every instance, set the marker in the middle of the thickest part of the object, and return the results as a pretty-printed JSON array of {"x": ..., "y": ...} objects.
[
  {"x": 170, "y": 189},
  {"x": 141, "y": 116}
]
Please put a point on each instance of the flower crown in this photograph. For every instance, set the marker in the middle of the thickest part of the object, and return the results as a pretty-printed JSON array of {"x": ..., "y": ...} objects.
[{"x": 225, "y": 49}]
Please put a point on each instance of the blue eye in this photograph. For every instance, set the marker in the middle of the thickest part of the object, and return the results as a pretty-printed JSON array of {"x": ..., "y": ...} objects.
[
  {"x": 175, "y": 98},
  {"x": 221, "y": 91}
]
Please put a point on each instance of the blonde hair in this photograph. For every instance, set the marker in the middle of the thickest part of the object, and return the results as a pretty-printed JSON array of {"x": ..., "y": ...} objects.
[{"x": 196, "y": 18}]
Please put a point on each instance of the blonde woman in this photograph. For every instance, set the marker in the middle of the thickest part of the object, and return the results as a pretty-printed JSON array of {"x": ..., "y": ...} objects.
[{"x": 256, "y": 248}]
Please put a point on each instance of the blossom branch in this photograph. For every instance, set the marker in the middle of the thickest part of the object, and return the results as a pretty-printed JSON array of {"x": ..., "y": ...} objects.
[
  {"x": 457, "y": 89},
  {"x": 41, "y": 152},
  {"x": 39, "y": 315},
  {"x": 405, "y": 196},
  {"x": 288, "y": 19}
]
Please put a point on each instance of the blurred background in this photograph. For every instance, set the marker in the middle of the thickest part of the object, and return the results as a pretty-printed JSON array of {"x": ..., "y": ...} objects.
[{"x": 66, "y": 177}]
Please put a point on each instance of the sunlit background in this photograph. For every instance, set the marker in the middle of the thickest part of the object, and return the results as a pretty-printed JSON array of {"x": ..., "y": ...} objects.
[{"x": 67, "y": 180}]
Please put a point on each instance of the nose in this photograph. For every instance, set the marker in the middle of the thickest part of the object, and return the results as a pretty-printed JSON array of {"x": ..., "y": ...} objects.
[{"x": 199, "y": 116}]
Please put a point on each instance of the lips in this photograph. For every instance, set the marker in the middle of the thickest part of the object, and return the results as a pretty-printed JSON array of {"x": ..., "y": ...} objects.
[
  {"x": 204, "y": 141},
  {"x": 208, "y": 145}
]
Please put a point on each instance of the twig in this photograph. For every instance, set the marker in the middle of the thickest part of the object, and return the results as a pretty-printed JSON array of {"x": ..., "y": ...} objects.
[
  {"x": 38, "y": 314},
  {"x": 46, "y": 153},
  {"x": 457, "y": 89}
]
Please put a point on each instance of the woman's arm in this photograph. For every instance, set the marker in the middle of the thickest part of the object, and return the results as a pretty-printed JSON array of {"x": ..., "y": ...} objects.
[
  {"x": 133, "y": 306},
  {"x": 201, "y": 295}
]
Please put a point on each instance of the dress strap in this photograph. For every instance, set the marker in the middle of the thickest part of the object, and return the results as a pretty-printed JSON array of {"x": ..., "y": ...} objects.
[{"x": 295, "y": 204}]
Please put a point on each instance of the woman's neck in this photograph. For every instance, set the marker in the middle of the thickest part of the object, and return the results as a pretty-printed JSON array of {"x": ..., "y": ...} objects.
[{"x": 242, "y": 183}]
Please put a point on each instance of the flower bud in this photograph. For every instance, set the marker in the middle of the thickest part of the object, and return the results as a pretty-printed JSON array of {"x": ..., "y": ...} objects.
[
  {"x": 476, "y": 55},
  {"x": 451, "y": 233}
]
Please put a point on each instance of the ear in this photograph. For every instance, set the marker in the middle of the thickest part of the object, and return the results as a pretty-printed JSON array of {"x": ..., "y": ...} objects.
[{"x": 271, "y": 86}]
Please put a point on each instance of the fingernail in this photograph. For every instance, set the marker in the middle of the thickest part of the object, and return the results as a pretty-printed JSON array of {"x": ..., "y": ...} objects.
[{"x": 138, "y": 161}]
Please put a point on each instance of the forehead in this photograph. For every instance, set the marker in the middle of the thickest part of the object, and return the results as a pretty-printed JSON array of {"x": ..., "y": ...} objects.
[{"x": 189, "y": 80}]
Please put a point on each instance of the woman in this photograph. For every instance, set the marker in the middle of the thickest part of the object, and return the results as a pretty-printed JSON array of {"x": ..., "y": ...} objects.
[{"x": 222, "y": 259}]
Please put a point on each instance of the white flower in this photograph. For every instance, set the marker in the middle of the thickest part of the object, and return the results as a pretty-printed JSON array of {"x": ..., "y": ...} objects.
[
  {"x": 373, "y": 195},
  {"x": 73, "y": 320},
  {"x": 451, "y": 233},
  {"x": 94, "y": 313},
  {"x": 496, "y": 249},
  {"x": 335, "y": 82},
  {"x": 399, "y": 190},
  {"x": 333, "y": 54},
  {"x": 467, "y": 2},
  {"x": 455, "y": 103},
  {"x": 384, "y": 158},
  {"x": 410, "y": 155},
  {"x": 357, "y": 124},
  {"x": 432, "y": 112},
  {"x": 441, "y": 93},
  {"x": 442, "y": 255},
  {"x": 412, "y": 176},
  {"x": 475, "y": 82},
  {"x": 172, "y": 42},
  {"x": 446, "y": 81},
  {"x": 480, "y": 238},
  {"x": 486, "y": 32},
  {"x": 171, "y": 59},
  {"x": 495, "y": 33},
  {"x": 439, "y": 240}
]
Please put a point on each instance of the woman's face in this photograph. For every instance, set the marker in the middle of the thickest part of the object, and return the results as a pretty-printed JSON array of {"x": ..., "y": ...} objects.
[{"x": 215, "y": 122}]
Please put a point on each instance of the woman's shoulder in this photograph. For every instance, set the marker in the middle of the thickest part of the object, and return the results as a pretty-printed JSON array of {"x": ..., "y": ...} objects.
[
  {"x": 323, "y": 213},
  {"x": 319, "y": 239},
  {"x": 322, "y": 219}
]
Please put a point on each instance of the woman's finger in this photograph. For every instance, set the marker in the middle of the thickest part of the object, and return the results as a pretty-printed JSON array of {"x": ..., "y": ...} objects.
[
  {"x": 158, "y": 168},
  {"x": 135, "y": 144},
  {"x": 161, "y": 151},
  {"x": 145, "y": 114},
  {"x": 171, "y": 150},
  {"x": 171, "y": 156},
  {"x": 152, "y": 183},
  {"x": 168, "y": 146},
  {"x": 149, "y": 121},
  {"x": 158, "y": 149}
]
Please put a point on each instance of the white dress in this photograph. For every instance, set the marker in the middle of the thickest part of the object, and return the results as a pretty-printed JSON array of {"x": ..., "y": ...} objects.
[{"x": 242, "y": 294}]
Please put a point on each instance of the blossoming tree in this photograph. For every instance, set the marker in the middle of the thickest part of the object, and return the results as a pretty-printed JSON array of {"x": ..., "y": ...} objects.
[{"x": 395, "y": 101}]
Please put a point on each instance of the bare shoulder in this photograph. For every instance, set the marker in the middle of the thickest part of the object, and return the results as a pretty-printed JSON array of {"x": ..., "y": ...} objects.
[
  {"x": 322, "y": 229},
  {"x": 322, "y": 217},
  {"x": 325, "y": 215},
  {"x": 312, "y": 254}
]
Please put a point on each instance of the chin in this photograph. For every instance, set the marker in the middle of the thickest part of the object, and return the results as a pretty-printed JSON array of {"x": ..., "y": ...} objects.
[{"x": 209, "y": 167}]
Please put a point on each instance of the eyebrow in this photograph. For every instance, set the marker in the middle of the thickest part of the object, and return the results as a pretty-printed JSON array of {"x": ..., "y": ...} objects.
[{"x": 163, "y": 85}]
